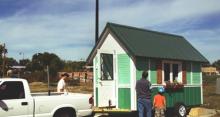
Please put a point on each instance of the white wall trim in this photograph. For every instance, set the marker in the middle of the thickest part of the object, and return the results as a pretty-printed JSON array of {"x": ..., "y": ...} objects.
[
  {"x": 106, "y": 51},
  {"x": 180, "y": 74},
  {"x": 116, "y": 78},
  {"x": 132, "y": 82},
  {"x": 191, "y": 74},
  {"x": 201, "y": 85},
  {"x": 135, "y": 80},
  {"x": 124, "y": 86},
  {"x": 98, "y": 65},
  {"x": 94, "y": 82}
]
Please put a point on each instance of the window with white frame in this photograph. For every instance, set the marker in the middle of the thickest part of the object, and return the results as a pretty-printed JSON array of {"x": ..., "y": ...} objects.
[
  {"x": 106, "y": 66},
  {"x": 172, "y": 71}
]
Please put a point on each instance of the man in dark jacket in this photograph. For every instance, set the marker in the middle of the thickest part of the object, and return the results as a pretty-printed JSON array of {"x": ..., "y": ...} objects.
[{"x": 144, "y": 95}]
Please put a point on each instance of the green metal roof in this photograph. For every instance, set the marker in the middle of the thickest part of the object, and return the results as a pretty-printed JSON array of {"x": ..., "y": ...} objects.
[{"x": 146, "y": 43}]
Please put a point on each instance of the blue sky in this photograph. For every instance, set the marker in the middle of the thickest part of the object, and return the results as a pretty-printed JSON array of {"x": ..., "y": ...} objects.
[{"x": 66, "y": 27}]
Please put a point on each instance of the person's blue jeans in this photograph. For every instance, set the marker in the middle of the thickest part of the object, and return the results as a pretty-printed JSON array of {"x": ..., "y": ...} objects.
[{"x": 144, "y": 107}]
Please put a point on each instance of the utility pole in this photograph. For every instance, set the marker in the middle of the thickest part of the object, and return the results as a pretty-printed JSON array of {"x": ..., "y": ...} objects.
[
  {"x": 48, "y": 79},
  {"x": 21, "y": 53},
  {"x": 97, "y": 21}
]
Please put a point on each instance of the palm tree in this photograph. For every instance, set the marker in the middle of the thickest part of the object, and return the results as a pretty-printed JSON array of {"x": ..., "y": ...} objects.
[{"x": 3, "y": 51}]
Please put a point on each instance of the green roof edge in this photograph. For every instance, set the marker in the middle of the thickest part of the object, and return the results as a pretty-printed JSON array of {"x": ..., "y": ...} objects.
[{"x": 111, "y": 27}]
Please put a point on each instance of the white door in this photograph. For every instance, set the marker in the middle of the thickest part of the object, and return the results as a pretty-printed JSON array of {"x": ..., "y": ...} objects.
[
  {"x": 106, "y": 84},
  {"x": 12, "y": 100}
]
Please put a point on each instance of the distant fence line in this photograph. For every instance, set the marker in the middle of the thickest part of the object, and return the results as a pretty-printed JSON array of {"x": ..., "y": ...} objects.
[{"x": 81, "y": 75}]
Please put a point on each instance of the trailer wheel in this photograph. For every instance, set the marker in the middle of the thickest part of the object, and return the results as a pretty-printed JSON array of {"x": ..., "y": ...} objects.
[
  {"x": 65, "y": 113},
  {"x": 180, "y": 110}
]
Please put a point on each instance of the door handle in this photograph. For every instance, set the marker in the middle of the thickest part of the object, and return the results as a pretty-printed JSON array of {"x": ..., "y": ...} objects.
[
  {"x": 10, "y": 108},
  {"x": 100, "y": 83},
  {"x": 24, "y": 103}
]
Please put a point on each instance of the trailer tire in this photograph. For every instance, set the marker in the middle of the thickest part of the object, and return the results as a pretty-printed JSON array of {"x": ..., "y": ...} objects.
[
  {"x": 180, "y": 110},
  {"x": 67, "y": 112}
]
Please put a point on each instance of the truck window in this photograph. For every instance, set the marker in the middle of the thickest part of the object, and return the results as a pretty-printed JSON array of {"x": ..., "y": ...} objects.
[{"x": 12, "y": 90}]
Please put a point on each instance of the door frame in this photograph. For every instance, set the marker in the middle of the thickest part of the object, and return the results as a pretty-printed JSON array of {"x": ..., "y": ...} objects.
[{"x": 115, "y": 74}]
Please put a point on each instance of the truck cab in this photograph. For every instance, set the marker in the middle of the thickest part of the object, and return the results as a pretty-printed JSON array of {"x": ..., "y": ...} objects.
[{"x": 15, "y": 99}]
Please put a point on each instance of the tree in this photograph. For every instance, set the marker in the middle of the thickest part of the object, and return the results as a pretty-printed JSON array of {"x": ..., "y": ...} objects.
[
  {"x": 37, "y": 64},
  {"x": 27, "y": 63},
  {"x": 24, "y": 62},
  {"x": 11, "y": 62},
  {"x": 41, "y": 60},
  {"x": 216, "y": 64},
  {"x": 74, "y": 66},
  {"x": 3, "y": 51}
]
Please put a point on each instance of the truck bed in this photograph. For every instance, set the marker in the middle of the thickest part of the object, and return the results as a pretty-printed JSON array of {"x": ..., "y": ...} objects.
[
  {"x": 46, "y": 94},
  {"x": 56, "y": 94}
]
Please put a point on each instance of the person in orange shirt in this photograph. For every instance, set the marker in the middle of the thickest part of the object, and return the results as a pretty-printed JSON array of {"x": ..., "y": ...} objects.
[{"x": 159, "y": 103}]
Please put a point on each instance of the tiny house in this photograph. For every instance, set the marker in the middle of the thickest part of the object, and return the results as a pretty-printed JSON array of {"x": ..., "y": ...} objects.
[{"x": 123, "y": 52}]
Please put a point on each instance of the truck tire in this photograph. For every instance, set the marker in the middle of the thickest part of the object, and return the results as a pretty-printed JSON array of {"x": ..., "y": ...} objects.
[
  {"x": 180, "y": 110},
  {"x": 65, "y": 113}
]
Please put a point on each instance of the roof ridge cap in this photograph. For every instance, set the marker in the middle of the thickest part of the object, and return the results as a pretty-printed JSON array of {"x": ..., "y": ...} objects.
[{"x": 143, "y": 29}]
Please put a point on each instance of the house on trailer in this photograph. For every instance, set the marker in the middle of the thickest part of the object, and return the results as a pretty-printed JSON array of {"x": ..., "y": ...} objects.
[{"x": 123, "y": 52}]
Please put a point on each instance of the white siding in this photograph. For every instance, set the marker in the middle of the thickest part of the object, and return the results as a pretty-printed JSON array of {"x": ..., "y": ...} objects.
[{"x": 111, "y": 45}]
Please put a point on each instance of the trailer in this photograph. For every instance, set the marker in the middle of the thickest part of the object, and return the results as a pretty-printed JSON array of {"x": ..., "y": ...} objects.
[{"x": 122, "y": 53}]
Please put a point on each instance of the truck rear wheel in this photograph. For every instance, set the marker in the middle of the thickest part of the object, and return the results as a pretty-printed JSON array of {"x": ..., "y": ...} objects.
[
  {"x": 65, "y": 113},
  {"x": 180, "y": 110}
]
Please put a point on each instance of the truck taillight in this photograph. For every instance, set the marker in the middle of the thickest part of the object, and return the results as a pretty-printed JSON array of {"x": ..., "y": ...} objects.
[{"x": 91, "y": 100}]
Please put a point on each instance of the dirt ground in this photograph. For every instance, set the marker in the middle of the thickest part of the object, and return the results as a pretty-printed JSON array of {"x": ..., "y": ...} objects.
[
  {"x": 211, "y": 99},
  {"x": 43, "y": 87}
]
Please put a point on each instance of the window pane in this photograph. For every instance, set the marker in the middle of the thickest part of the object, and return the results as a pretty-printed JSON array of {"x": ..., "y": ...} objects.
[
  {"x": 166, "y": 72},
  {"x": 175, "y": 72},
  {"x": 12, "y": 90},
  {"x": 107, "y": 66}
]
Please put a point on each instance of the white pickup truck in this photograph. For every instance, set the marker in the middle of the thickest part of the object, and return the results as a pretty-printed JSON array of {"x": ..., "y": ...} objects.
[{"x": 17, "y": 101}]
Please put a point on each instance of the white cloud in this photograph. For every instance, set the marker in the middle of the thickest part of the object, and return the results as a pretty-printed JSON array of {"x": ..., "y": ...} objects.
[
  {"x": 146, "y": 13},
  {"x": 206, "y": 41},
  {"x": 54, "y": 25},
  {"x": 40, "y": 33}
]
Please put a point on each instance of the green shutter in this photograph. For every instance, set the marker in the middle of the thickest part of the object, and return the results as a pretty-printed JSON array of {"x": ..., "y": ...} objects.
[
  {"x": 124, "y": 98},
  {"x": 142, "y": 64},
  {"x": 153, "y": 71},
  {"x": 196, "y": 73},
  {"x": 188, "y": 73},
  {"x": 123, "y": 69}
]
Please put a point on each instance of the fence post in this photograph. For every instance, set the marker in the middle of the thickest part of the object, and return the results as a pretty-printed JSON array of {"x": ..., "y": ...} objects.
[{"x": 218, "y": 86}]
